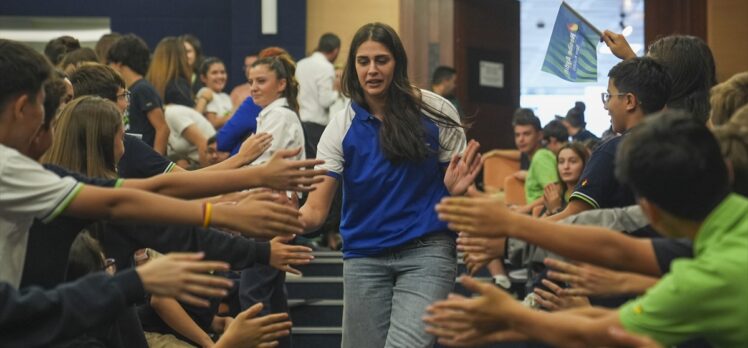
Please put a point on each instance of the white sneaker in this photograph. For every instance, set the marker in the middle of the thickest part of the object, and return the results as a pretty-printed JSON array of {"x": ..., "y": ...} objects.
[{"x": 502, "y": 281}]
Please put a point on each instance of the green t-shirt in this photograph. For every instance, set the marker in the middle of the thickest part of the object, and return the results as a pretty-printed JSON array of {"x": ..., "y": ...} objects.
[
  {"x": 704, "y": 297},
  {"x": 542, "y": 172}
]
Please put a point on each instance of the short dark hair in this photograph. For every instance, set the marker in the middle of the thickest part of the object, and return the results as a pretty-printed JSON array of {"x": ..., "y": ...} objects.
[
  {"x": 674, "y": 161},
  {"x": 212, "y": 140},
  {"x": 526, "y": 117},
  {"x": 644, "y": 78},
  {"x": 556, "y": 129},
  {"x": 131, "y": 51},
  {"x": 441, "y": 74},
  {"x": 58, "y": 47},
  {"x": 97, "y": 79},
  {"x": 23, "y": 70},
  {"x": 328, "y": 42},
  {"x": 575, "y": 115},
  {"x": 54, "y": 90}
]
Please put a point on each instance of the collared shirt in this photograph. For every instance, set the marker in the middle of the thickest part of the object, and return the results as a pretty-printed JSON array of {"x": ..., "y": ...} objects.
[
  {"x": 542, "y": 172},
  {"x": 387, "y": 204},
  {"x": 27, "y": 191},
  {"x": 179, "y": 118},
  {"x": 598, "y": 185},
  {"x": 703, "y": 296},
  {"x": 316, "y": 76},
  {"x": 283, "y": 124}
]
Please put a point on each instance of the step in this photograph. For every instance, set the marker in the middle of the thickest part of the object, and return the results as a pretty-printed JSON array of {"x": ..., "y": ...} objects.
[
  {"x": 311, "y": 313},
  {"x": 308, "y": 287},
  {"x": 321, "y": 337}
]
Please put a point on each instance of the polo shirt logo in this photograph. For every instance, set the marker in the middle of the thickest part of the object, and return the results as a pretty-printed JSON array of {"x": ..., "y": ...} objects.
[
  {"x": 638, "y": 309},
  {"x": 584, "y": 182}
]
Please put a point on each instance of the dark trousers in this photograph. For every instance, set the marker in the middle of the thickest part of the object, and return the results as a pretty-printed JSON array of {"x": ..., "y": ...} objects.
[
  {"x": 266, "y": 285},
  {"x": 312, "y": 133}
]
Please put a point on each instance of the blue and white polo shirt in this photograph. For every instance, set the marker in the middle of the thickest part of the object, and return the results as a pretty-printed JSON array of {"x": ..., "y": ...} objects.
[{"x": 387, "y": 204}]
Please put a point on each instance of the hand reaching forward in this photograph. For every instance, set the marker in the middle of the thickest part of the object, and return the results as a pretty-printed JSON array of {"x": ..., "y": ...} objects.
[
  {"x": 248, "y": 330},
  {"x": 463, "y": 169},
  {"x": 254, "y": 146},
  {"x": 283, "y": 256},
  {"x": 460, "y": 320},
  {"x": 286, "y": 175},
  {"x": 258, "y": 215},
  {"x": 184, "y": 277},
  {"x": 477, "y": 214}
]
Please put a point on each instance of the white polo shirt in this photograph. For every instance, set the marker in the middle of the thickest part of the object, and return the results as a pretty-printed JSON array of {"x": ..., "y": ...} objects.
[{"x": 27, "y": 192}]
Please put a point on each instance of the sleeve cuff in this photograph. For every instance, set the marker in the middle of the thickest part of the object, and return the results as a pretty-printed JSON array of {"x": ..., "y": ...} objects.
[
  {"x": 584, "y": 198},
  {"x": 334, "y": 175},
  {"x": 128, "y": 281},
  {"x": 262, "y": 250}
]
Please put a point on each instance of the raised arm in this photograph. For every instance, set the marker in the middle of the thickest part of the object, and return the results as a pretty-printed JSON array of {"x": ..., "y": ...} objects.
[
  {"x": 484, "y": 216},
  {"x": 278, "y": 173}
]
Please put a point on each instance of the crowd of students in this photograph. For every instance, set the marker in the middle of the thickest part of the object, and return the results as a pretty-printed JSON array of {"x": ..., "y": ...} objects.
[{"x": 133, "y": 185}]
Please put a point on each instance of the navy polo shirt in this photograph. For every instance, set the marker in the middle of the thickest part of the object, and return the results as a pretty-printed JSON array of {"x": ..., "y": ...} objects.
[
  {"x": 387, "y": 204},
  {"x": 144, "y": 98},
  {"x": 598, "y": 185},
  {"x": 141, "y": 161}
]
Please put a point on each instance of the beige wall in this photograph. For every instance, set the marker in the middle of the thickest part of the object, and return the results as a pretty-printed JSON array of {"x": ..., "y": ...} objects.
[
  {"x": 344, "y": 17},
  {"x": 727, "y": 35}
]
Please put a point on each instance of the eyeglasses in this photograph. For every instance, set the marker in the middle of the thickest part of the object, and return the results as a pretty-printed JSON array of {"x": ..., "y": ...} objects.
[
  {"x": 110, "y": 265},
  {"x": 606, "y": 96},
  {"x": 125, "y": 94}
]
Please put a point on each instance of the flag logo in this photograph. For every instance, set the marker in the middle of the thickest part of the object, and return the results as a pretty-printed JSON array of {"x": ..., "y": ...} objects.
[{"x": 572, "y": 50}]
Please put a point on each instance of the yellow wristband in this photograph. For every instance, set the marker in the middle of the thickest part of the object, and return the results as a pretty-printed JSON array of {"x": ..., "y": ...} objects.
[{"x": 207, "y": 214}]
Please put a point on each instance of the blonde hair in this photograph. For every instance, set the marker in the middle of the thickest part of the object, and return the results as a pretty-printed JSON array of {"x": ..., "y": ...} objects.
[
  {"x": 727, "y": 97},
  {"x": 169, "y": 62},
  {"x": 84, "y": 137}
]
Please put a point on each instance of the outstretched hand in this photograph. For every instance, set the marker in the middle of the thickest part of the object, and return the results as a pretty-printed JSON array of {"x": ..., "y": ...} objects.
[
  {"x": 459, "y": 320},
  {"x": 283, "y": 174},
  {"x": 283, "y": 255},
  {"x": 259, "y": 215},
  {"x": 254, "y": 147},
  {"x": 477, "y": 214},
  {"x": 463, "y": 169},
  {"x": 248, "y": 330},
  {"x": 185, "y": 277}
]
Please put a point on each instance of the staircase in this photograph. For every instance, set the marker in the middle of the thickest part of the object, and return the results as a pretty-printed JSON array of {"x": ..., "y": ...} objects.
[{"x": 316, "y": 301}]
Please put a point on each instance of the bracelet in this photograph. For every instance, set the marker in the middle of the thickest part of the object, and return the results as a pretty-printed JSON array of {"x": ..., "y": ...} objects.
[{"x": 207, "y": 214}]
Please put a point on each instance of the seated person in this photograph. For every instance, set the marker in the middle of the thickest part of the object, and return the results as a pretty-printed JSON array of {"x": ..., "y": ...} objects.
[
  {"x": 188, "y": 136},
  {"x": 657, "y": 160}
]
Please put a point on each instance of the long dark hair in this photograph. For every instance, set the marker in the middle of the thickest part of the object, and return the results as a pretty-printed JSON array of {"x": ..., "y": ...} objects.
[
  {"x": 403, "y": 133},
  {"x": 285, "y": 69}
]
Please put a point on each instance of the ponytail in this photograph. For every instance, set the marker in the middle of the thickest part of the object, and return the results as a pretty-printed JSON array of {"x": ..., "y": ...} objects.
[{"x": 285, "y": 69}]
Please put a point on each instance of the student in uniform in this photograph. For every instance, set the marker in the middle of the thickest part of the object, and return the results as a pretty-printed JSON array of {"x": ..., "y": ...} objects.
[
  {"x": 145, "y": 117},
  {"x": 396, "y": 151}
]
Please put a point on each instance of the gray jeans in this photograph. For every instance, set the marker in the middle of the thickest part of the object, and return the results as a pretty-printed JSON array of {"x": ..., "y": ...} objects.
[{"x": 386, "y": 295}]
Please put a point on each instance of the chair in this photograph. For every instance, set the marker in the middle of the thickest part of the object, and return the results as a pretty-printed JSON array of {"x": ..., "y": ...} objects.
[
  {"x": 514, "y": 191},
  {"x": 495, "y": 169}
]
